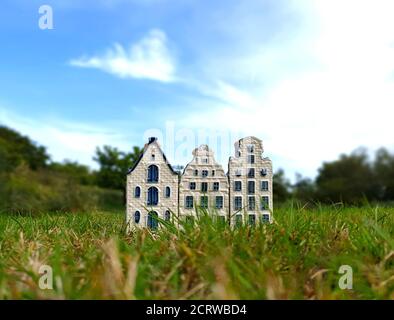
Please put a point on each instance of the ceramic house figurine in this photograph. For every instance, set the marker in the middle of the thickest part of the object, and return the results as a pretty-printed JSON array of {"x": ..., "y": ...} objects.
[{"x": 243, "y": 195}]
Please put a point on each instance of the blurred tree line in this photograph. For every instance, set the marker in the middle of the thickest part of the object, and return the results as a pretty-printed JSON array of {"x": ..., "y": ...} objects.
[
  {"x": 30, "y": 181},
  {"x": 352, "y": 179}
]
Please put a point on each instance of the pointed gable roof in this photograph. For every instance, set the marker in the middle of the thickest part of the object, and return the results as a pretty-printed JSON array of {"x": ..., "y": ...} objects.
[{"x": 152, "y": 140}]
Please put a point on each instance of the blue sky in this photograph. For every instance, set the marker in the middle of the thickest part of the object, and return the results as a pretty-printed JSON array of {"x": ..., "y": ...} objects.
[{"x": 311, "y": 78}]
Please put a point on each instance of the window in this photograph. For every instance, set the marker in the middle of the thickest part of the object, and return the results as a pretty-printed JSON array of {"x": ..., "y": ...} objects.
[
  {"x": 238, "y": 203},
  {"x": 216, "y": 186},
  {"x": 137, "y": 217},
  {"x": 239, "y": 154},
  {"x": 265, "y": 218},
  {"x": 204, "y": 186},
  {"x": 205, "y": 160},
  {"x": 238, "y": 172},
  {"x": 264, "y": 203},
  {"x": 251, "y": 187},
  {"x": 251, "y": 203},
  {"x": 237, "y": 185},
  {"x": 205, "y": 173},
  {"x": 263, "y": 172},
  {"x": 251, "y": 173},
  {"x": 189, "y": 220},
  {"x": 189, "y": 202},
  {"x": 264, "y": 185},
  {"x": 153, "y": 221},
  {"x": 137, "y": 192},
  {"x": 221, "y": 220},
  {"x": 250, "y": 148},
  {"x": 238, "y": 220},
  {"x": 168, "y": 192},
  {"x": 213, "y": 173},
  {"x": 167, "y": 216},
  {"x": 204, "y": 202},
  {"x": 153, "y": 173},
  {"x": 196, "y": 173},
  {"x": 152, "y": 157},
  {"x": 219, "y": 202},
  {"x": 252, "y": 219},
  {"x": 153, "y": 196},
  {"x": 192, "y": 186},
  {"x": 251, "y": 159}
]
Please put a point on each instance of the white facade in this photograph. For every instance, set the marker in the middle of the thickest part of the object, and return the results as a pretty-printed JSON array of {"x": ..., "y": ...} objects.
[
  {"x": 244, "y": 194},
  {"x": 152, "y": 188},
  {"x": 250, "y": 178},
  {"x": 203, "y": 183}
]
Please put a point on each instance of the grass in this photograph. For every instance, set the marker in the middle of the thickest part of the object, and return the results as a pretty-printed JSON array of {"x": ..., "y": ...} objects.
[{"x": 297, "y": 257}]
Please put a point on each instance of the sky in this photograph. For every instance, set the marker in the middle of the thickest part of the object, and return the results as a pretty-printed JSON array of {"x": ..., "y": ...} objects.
[{"x": 311, "y": 78}]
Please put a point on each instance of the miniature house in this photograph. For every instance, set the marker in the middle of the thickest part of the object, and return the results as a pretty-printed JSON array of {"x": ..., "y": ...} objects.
[
  {"x": 243, "y": 195},
  {"x": 250, "y": 181},
  {"x": 203, "y": 183},
  {"x": 152, "y": 188}
]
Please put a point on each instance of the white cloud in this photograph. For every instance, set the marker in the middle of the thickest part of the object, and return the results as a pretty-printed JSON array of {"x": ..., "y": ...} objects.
[
  {"x": 149, "y": 58},
  {"x": 65, "y": 140},
  {"x": 341, "y": 98}
]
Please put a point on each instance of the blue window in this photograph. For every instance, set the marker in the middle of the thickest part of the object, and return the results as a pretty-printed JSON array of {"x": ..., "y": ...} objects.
[
  {"x": 222, "y": 220},
  {"x": 251, "y": 203},
  {"x": 264, "y": 185},
  {"x": 264, "y": 203},
  {"x": 251, "y": 187},
  {"x": 137, "y": 217},
  {"x": 238, "y": 203},
  {"x": 153, "y": 221},
  {"x": 238, "y": 185},
  {"x": 153, "y": 196},
  {"x": 250, "y": 148},
  {"x": 205, "y": 173},
  {"x": 219, "y": 202},
  {"x": 204, "y": 202},
  {"x": 153, "y": 173},
  {"x": 204, "y": 186},
  {"x": 216, "y": 186},
  {"x": 168, "y": 192},
  {"x": 251, "y": 173},
  {"x": 238, "y": 220},
  {"x": 192, "y": 186},
  {"x": 189, "y": 202},
  {"x": 252, "y": 219},
  {"x": 265, "y": 218},
  {"x": 137, "y": 192},
  {"x": 167, "y": 216},
  {"x": 189, "y": 220},
  {"x": 251, "y": 159}
]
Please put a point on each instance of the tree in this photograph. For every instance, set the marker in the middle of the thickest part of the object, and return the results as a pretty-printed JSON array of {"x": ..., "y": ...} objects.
[
  {"x": 73, "y": 170},
  {"x": 304, "y": 189},
  {"x": 114, "y": 165},
  {"x": 384, "y": 171},
  {"x": 281, "y": 187},
  {"x": 349, "y": 179},
  {"x": 16, "y": 149}
]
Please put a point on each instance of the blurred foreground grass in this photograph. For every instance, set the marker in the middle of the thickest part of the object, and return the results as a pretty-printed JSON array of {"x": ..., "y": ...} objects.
[{"x": 297, "y": 257}]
